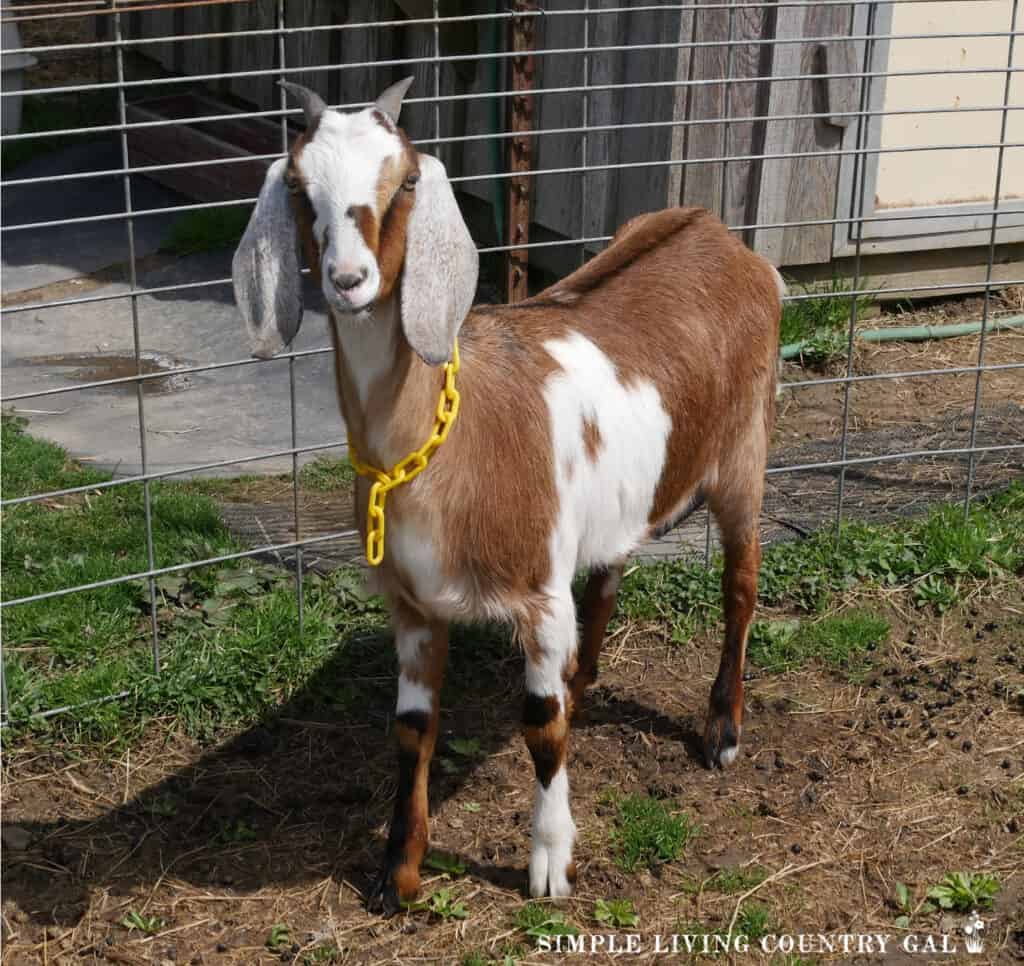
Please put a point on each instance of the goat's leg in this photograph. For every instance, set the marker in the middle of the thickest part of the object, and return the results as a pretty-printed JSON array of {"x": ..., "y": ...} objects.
[
  {"x": 550, "y": 643},
  {"x": 598, "y": 605},
  {"x": 742, "y": 546},
  {"x": 422, "y": 651}
]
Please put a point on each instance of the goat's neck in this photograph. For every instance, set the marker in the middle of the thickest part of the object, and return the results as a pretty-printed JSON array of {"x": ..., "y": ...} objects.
[{"x": 388, "y": 394}]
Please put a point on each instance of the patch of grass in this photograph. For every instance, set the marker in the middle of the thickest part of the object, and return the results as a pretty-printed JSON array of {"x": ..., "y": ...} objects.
[
  {"x": 207, "y": 229},
  {"x": 137, "y": 922},
  {"x": 939, "y": 550},
  {"x": 280, "y": 936},
  {"x": 327, "y": 953},
  {"x": 617, "y": 913},
  {"x": 230, "y": 643},
  {"x": 820, "y": 322},
  {"x": 537, "y": 919},
  {"x": 754, "y": 921},
  {"x": 442, "y": 904},
  {"x": 510, "y": 955},
  {"x": 964, "y": 892},
  {"x": 445, "y": 862},
  {"x": 327, "y": 473},
  {"x": 58, "y": 112},
  {"x": 836, "y": 641},
  {"x": 735, "y": 881},
  {"x": 647, "y": 833}
]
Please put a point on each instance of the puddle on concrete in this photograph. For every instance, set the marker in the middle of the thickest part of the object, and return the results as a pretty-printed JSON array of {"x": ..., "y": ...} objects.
[{"x": 99, "y": 366}]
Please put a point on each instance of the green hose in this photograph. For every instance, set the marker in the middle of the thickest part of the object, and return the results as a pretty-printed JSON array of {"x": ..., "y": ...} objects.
[{"x": 914, "y": 333}]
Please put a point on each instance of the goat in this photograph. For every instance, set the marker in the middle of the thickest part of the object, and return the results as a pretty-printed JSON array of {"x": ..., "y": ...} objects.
[{"x": 599, "y": 412}]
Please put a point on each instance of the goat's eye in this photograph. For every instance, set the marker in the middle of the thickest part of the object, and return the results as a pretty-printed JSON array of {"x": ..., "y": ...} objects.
[
  {"x": 410, "y": 182},
  {"x": 293, "y": 184}
]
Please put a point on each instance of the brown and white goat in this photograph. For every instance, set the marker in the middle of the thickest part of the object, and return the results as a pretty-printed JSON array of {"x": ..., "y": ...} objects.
[{"x": 593, "y": 415}]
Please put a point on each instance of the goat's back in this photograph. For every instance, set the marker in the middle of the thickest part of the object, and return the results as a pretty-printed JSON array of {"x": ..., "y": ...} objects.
[{"x": 677, "y": 322}]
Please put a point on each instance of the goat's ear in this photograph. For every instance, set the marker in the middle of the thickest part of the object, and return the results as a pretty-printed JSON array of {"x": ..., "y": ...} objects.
[
  {"x": 441, "y": 265},
  {"x": 265, "y": 269}
]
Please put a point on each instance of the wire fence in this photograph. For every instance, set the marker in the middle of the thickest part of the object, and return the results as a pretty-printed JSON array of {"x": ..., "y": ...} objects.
[{"x": 616, "y": 110}]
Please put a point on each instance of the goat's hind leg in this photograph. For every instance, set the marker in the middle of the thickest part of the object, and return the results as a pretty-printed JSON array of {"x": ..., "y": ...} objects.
[
  {"x": 598, "y": 605},
  {"x": 422, "y": 651},
  {"x": 737, "y": 510}
]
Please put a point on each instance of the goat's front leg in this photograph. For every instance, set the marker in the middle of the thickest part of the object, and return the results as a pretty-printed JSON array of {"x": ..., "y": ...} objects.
[
  {"x": 422, "y": 651},
  {"x": 550, "y": 645}
]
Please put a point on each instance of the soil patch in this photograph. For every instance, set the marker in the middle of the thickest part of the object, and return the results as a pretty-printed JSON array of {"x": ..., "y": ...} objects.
[{"x": 912, "y": 769}]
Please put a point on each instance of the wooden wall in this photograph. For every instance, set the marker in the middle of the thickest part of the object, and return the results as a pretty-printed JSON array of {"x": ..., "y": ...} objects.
[{"x": 572, "y": 205}]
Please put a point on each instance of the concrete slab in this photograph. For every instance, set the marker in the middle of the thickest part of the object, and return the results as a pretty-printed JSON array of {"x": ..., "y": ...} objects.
[
  {"x": 207, "y": 417},
  {"x": 40, "y": 256}
]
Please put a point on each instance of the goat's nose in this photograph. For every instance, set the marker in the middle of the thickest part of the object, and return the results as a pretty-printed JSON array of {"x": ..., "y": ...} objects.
[{"x": 345, "y": 281}]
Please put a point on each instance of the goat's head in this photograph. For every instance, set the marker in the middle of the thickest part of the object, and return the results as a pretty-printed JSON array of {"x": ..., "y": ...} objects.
[{"x": 372, "y": 215}]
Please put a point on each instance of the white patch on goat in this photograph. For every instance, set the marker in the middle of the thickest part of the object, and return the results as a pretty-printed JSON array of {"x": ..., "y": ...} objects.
[
  {"x": 408, "y": 642},
  {"x": 604, "y": 505},
  {"x": 414, "y": 555},
  {"x": 553, "y": 827},
  {"x": 369, "y": 343},
  {"x": 556, "y": 643},
  {"x": 413, "y": 696},
  {"x": 727, "y": 756},
  {"x": 553, "y": 835}
]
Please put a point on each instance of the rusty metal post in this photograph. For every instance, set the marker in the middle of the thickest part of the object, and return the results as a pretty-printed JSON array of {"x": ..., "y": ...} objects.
[{"x": 520, "y": 150}]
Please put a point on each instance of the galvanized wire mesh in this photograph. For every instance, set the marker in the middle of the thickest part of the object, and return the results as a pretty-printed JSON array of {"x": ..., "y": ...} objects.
[{"x": 128, "y": 36}]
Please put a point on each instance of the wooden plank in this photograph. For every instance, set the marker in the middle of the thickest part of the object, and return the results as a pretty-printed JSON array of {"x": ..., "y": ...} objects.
[
  {"x": 645, "y": 189},
  {"x": 680, "y": 108},
  {"x": 783, "y": 99},
  {"x": 814, "y": 181},
  {"x": 702, "y": 183}
]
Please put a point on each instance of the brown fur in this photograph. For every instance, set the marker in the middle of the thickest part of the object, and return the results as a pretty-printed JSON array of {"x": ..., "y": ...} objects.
[
  {"x": 597, "y": 611},
  {"x": 591, "y": 439}
]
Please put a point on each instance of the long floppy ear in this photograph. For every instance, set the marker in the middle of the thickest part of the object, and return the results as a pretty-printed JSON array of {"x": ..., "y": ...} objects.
[
  {"x": 441, "y": 266},
  {"x": 265, "y": 269}
]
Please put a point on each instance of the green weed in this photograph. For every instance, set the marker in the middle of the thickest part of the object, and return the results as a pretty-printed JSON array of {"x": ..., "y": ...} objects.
[
  {"x": 646, "y": 832},
  {"x": 754, "y": 921},
  {"x": 137, "y": 922},
  {"x": 734, "y": 881},
  {"x": 442, "y": 904},
  {"x": 444, "y": 862},
  {"x": 963, "y": 892},
  {"x": 821, "y": 322},
  {"x": 280, "y": 936},
  {"x": 836, "y": 641},
  {"x": 328, "y": 953},
  {"x": 537, "y": 919},
  {"x": 617, "y": 913}
]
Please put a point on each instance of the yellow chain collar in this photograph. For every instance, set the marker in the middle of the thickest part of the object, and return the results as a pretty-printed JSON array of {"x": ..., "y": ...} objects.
[{"x": 405, "y": 469}]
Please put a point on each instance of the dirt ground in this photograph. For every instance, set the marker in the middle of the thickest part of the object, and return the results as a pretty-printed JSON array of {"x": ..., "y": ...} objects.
[{"x": 843, "y": 787}]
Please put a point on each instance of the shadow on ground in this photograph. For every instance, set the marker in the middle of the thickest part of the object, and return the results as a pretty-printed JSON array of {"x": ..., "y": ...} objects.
[{"x": 301, "y": 796}]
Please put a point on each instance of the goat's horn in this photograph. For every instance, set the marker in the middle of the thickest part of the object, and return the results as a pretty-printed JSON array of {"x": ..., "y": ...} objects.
[
  {"x": 390, "y": 102},
  {"x": 312, "y": 104}
]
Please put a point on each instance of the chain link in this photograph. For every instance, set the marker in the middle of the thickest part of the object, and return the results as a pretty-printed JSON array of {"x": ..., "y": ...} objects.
[{"x": 409, "y": 467}]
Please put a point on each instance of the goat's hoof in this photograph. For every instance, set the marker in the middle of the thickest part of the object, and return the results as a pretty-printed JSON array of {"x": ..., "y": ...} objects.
[
  {"x": 551, "y": 874},
  {"x": 721, "y": 741},
  {"x": 384, "y": 899}
]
